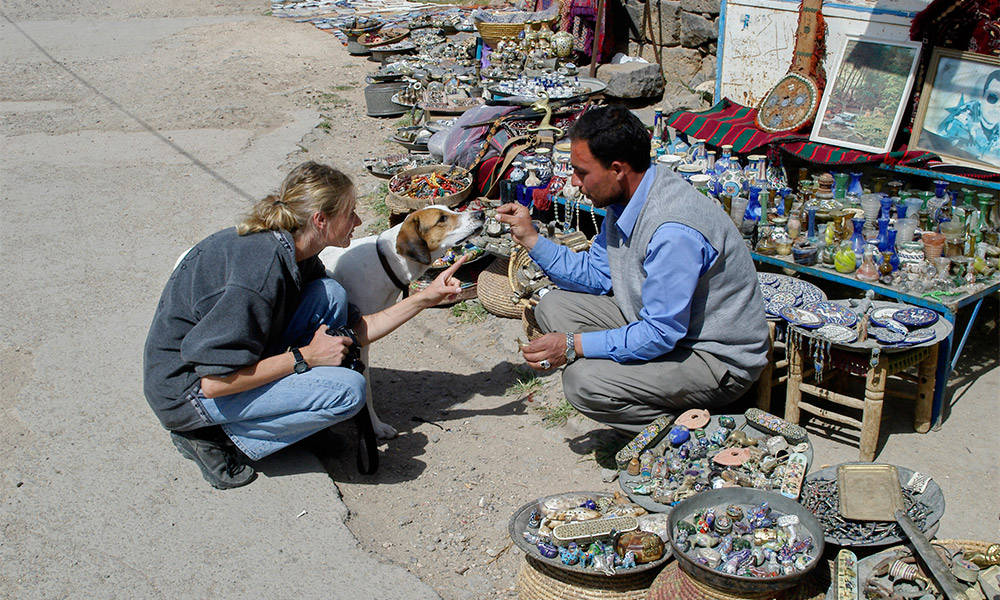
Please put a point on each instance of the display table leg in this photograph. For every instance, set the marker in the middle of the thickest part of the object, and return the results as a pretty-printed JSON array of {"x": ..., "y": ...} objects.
[
  {"x": 767, "y": 375},
  {"x": 942, "y": 372},
  {"x": 793, "y": 393},
  {"x": 871, "y": 419},
  {"x": 925, "y": 391}
]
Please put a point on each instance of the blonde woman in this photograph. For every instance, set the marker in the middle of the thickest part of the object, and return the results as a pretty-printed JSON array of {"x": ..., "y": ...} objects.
[{"x": 238, "y": 362}]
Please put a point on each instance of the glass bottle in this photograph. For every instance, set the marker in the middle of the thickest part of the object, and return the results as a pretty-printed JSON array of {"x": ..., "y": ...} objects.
[
  {"x": 726, "y": 160},
  {"x": 984, "y": 199},
  {"x": 867, "y": 271},
  {"x": 882, "y": 241},
  {"x": 811, "y": 227},
  {"x": 794, "y": 224},
  {"x": 885, "y": 269},
  {"x": 854, "y": 185},
  {"x": 890, "y": 251},
  {"x": 940, "y": 188},
  {"x": 658, "y": 127},
  {"x": 753, "y": 205},
  {"x": 858, "y": 239},
  {"x": 844, "y": 260},
  {"x": 886, "y": 203},
  {"x": 840, "y": 186}
]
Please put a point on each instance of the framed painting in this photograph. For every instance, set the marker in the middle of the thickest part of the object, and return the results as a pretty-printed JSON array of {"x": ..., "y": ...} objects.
[
  {"x": 866, "y": 94},
  {"x": 958, "y": 116}
]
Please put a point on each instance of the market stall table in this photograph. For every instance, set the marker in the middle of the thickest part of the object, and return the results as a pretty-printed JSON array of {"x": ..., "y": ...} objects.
[{"x": 948, "y": 308}]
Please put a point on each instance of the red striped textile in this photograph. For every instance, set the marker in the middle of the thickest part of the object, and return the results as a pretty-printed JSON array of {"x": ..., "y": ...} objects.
[
  {"x": 728, "y": 123},
  {"x": 835, "y": 155}
]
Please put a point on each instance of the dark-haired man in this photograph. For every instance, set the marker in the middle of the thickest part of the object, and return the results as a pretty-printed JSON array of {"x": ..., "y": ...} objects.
[{"x": 663, "y": 313}]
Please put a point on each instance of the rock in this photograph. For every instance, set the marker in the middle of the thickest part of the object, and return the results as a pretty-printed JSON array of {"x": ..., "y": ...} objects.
[
  {"x": 697, "y": 30},
  {"x": 701, "y": 6},
  {"x": 608, "y": 475},
  {"x": 632, "y": 80}
]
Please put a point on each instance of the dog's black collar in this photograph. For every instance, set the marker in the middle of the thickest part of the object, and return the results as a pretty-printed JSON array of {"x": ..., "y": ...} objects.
[{"x": 388, "y": 270}]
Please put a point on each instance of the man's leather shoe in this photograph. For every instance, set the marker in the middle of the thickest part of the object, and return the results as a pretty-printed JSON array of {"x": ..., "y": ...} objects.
[{"x": 218, "y": 461}]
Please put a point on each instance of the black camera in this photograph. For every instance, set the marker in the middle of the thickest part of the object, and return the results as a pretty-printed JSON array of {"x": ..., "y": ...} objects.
[{"x": 353, "y": 358}]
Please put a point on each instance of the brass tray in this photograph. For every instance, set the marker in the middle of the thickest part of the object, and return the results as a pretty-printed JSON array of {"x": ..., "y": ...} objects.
[{"x": 862, "y": 494}]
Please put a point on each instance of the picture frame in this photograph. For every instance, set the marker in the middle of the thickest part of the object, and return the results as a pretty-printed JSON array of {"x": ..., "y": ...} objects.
[
  {"x": 958, "y": 115},
  {"x": 867, "y": 94}
]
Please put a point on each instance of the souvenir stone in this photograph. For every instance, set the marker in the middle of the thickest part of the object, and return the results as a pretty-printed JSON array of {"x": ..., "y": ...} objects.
[
  {"x": 727, "y": 422},
  {"x": 695, "y": 418},
  {"x": 535, "y": 519},
  {"x": 678, "y": 435},
  {"x": 775, "y": 425},
  {"x": 547, "y": 550},
  {"x": 633, "y": 465},
  {"x": 732, "y": 457},
  {"x": 647, "y": 547},
  {"x": 639, "y": 443},
  {"x": 711, "y": 557},
  {"x": 775, "y": 444}
]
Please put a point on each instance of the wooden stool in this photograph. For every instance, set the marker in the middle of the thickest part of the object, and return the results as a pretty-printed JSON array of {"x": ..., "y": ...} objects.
[
  {"x": 768, "y": 379},
  {"x": 859, "y": 363}
]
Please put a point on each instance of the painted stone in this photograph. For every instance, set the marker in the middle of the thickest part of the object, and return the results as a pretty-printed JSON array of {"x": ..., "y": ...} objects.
[
  {"x": 695, "y": 418},
  {"x": 646, "y": 546},
  {"x": 678, "y": 435}
]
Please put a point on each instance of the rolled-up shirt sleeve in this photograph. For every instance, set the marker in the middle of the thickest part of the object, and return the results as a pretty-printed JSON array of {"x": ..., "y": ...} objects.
[
  {"x": 676, "y": 258},
  {"x": 575, "y": 271}
]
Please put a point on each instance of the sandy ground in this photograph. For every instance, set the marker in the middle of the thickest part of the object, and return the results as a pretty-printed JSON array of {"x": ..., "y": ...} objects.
[{"x": 95, "y": 502}]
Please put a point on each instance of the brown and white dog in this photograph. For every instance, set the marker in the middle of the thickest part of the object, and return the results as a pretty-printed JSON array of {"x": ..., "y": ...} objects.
[{"x": 375, "y": 269}]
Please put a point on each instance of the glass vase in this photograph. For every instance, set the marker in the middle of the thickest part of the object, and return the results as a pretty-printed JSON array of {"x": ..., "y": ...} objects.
[
  {"x": 882, "y": 241},
  {"x": 858, "y": 239}
]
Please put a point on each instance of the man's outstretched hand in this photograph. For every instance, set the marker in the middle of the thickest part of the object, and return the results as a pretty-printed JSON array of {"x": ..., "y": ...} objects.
[
  {"x": 521, "y": 227},
  {"x": 550, "y": 347}
]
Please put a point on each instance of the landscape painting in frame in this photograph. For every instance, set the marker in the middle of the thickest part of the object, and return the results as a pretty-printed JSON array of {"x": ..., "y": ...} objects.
[
  {"x": 959, "y": 113},
  {"x": 865, "y": 97}
]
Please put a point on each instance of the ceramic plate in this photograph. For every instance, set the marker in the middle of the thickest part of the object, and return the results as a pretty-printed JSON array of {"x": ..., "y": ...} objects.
[
  {"x": 837, "y": 334},
  {"x": 792, "y": 286},
  {"x": 812, "y": 295},
  {"x": 882, "y": 316},
  {"x": 782, "y": 299},
  {"x": 834, "y": 314},
  {"x": 801, "y": 317},
  {"x": 919, "y": 336},
  {"x": 767, "y": 278},
  {"x": 886, "y": 336},
  {"x": 767, "y": 291},
  {"x": 897, "y": 327},
  {"x": 916, "y": 317}
]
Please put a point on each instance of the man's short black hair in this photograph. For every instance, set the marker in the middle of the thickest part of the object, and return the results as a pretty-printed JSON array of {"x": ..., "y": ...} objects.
[{"x": 614, "y": 133}]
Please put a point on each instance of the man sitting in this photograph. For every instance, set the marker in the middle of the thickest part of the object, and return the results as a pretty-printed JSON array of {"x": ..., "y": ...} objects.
[{"x": 664, "y": 312}]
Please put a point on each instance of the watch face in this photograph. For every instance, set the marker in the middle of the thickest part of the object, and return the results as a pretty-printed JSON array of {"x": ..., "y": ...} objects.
[{"x": 301, "y": 367}]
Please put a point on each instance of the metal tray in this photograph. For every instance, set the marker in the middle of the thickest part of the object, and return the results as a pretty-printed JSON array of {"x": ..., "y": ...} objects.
[
  {"x": 933, "y": 497},
  {"x": 519, "y": 523},
  {"x": 736, "y": 584},
  {"x": 649, "y": 504}
]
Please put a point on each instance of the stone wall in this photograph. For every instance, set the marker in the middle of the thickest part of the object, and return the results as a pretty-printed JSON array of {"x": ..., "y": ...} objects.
[{"x": 685, "y": 34}]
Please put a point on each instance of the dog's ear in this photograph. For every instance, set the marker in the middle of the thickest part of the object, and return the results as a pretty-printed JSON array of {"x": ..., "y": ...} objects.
[{"x": 411, "y": 244}]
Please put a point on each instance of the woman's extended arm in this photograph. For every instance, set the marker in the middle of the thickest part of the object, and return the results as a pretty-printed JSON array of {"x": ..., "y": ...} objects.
[{"x": 377, "y": 325}]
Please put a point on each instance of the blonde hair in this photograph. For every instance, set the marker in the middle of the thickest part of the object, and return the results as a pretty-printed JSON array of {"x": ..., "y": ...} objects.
[{"x": 309, "y": 188}]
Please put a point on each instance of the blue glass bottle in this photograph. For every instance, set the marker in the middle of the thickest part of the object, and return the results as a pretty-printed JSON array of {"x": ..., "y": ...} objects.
[
  {"x": 811, "y": 231},
  {"x": 891, "y": 248},
  {"x": 854, "y": 185},
  {"x": 882, "y": 241},
  {"x": 753, "y": 205},
  {"x": 940, "y": 188},
  {"x": 900, "y": 208},
  {"x": 886, "y": 203},
  {"x": 858, "y": 241}
]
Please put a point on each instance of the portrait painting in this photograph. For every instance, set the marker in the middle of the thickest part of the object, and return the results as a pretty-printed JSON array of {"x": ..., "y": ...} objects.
[
  {"x": 866, "y": 94},
  {"x": 959, "y": 113}
]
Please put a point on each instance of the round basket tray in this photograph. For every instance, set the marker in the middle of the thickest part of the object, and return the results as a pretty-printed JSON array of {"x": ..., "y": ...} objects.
[
  {"x": 674, "y": 584},
  {"x": 520, "y": 261},
  {"x": 359, "y": 31},
  {"x": 867, "y": 564},
  {"x": 451, "y": 109},
  {"x": 539, "y": 581},
  {"x": 494, "y": 32},
  {"x": 385, "y": 37},
  {"x": 593, "y": 86},
  {"x": 738, "y": 583},
  {"x": 932, "y": 497},
  {"x": 625, "y": 480},
  {"x": 494, "y": 291},
  {"x": 519, "y": 523},
  {"x": 415, "y": 203}
]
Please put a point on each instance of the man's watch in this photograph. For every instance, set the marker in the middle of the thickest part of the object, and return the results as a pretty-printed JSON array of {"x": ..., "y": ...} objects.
[
  {"x": 301, "y": 366},
  {"x": 570, "y": 348}
]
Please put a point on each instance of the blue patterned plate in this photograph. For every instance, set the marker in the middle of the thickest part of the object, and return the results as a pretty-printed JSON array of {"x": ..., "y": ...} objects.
[
  {"x": 837, "y": 334},
  {"x": 792, "y": 286},
  {"x": 883, "y": 316},
  {"x": 834, "y": 314},
  {"x": 919, "y": 336},
  {"x": 767, "y": 278},
  {"x": 886, "y": 336},
  {"x": 916, "y": 317},
  {"x": 812, "y": 295},
  {"x": 767, "y": 291},
  {"x": 783, "y": 299},
  {"x": 801, "y": 317}
]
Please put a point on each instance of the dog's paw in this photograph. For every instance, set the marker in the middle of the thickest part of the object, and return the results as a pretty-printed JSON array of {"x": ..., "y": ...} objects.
[{"x": 384, "y": 432}]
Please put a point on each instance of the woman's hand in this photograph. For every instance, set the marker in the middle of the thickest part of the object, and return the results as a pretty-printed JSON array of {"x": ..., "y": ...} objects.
[
  {"x": 325, "y": 350},
  {"x": 445, "y": 287}
]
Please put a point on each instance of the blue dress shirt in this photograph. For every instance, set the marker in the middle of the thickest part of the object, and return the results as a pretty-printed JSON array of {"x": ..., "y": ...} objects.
[{"x": 676, "y": 257}]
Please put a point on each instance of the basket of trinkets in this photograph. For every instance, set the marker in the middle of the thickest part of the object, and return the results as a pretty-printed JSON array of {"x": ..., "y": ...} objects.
[
  {"x": 745, "y": 540},
  {"x": 433, "y": 184}
]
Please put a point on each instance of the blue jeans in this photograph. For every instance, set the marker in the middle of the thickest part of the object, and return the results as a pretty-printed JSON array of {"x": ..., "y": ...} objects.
[{"x": 273, "y": 416}]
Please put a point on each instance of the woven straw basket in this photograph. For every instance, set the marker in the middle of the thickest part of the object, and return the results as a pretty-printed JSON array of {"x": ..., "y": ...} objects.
[
  {"x": 495, "y": 293},
  {"x": 395, "y": 200},
  {"x": 539, "y": 581},
  {"x": 492, "y": 33},
  {"x": 531, "y": 328}
]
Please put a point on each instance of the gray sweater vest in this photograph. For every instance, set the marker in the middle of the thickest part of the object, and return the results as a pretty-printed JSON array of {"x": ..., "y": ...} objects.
[{"x": 727, "y": 311}]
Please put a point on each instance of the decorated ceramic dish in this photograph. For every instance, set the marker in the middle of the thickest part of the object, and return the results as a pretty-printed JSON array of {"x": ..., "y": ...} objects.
[
  {"x": 812, "y": 295},
  {"x": 834, "y": 314},
  {"x": 882, "y": 316},
  {"x": 838, "y": 334},
  {"x": 783, "y": 299},
  {"x": 766, "y": 291},
  {"x": 767, "y": 278},
  {"x": 885, "y": 335},
  {"x": 916, "y": 317},
  {"x": 792, "y": 286},
  {"x": 801, "y": 317},
  {"x": 919, "y": 336}
]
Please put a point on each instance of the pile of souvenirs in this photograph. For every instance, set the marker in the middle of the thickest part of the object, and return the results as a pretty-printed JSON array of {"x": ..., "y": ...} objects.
[
  {"x": 740, "y": 520},
  {"x": 878, "y": 229}
]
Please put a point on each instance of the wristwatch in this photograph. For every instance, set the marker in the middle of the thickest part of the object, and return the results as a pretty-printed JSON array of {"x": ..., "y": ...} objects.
[
  {"x": 301, "y": 366},
  {"x": 570, "y": 348}
]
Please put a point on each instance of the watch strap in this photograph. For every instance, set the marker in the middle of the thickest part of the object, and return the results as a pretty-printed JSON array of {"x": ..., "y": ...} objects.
[
  {"x": 301, "y": 366},
  {"x": 570, "y": 347}
]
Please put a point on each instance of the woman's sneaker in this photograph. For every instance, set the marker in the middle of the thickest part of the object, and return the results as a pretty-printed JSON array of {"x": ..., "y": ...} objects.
[{"x": 219, "y": 462}]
